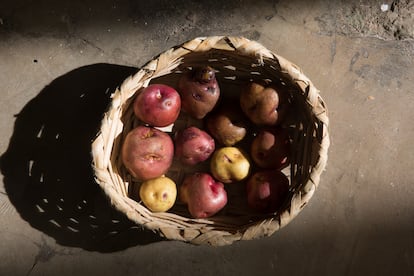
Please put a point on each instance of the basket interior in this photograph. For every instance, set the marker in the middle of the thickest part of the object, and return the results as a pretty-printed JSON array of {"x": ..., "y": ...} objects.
[{"x": 233, "y": 71}]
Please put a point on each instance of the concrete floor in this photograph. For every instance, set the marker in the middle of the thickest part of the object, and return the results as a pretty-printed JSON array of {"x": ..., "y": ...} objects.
[{"x": 58, "y": 65}]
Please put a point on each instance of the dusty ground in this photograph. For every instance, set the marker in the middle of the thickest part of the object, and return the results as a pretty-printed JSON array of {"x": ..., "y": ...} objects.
[
  {"x": 59, "y": 62},
  {"x": 389, "y": 20}
]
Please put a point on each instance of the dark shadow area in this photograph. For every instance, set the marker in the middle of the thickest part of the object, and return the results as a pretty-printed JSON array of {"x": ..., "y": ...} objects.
[
  {"x": 168, "y": 22},
  {"x": 47, "y": 166}
]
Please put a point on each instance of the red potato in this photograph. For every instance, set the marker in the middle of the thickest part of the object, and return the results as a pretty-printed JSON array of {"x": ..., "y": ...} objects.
[
  {"x": 199, "y": 91},
  {"x": 267, "y": 190},
  {"x": 157, "y": 105},
  {"x": 193, "y": 145},
  {"x": 203, "y": 195},
  {"x": 147, "y": 152}
]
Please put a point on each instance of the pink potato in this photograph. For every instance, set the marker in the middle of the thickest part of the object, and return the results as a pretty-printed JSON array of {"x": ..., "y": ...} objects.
[
  {"x": 203, "y": 195},
  {"x": 270, "y": 149},
  {"x": 147, "y": 152},
  {"x": 193, "y": 145}
]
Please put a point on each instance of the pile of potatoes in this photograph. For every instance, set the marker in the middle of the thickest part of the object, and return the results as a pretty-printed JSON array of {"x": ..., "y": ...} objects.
[{"x": 148, "y": 152}]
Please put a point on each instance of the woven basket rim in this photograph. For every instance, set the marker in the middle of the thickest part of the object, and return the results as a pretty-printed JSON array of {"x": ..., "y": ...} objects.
[{"x": 174, "y": 226}]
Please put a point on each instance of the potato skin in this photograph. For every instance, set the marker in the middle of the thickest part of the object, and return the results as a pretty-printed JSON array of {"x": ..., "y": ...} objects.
[
  {"x": 203, "y": 195},
  {"x": 264, "y": 105},
  {"x": 158, "y": 194},
  {"x": 193, "y": 145},
  {"x": 157, "y": 105},
  {"x": 267, "y": 190},
  {"x": 198, "y": 96},
  {"x": 147, "y": 152},
  {"x": 270, "y": 149},
  {"x": 227, "y": 125}
]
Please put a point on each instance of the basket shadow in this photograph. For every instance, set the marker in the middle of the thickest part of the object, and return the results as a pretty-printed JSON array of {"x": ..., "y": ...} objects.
[{"x": 47, "y": 166}]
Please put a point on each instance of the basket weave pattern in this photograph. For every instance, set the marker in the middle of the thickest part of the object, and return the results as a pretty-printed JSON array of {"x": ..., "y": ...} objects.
[{"x": 237, "y": 60}]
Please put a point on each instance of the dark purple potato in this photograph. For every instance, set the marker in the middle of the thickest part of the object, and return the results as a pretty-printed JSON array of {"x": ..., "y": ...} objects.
[
  {"x": 199, "y": 91},
  {"x": 270, "y": 148}
]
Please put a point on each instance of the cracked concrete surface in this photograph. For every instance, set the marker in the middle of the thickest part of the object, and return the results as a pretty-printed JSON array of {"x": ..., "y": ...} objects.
[{"x": 59, "y": 62}]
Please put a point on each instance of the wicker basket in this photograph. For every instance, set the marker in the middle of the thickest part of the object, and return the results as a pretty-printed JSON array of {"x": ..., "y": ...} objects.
[{"x": 237, "y": 60}]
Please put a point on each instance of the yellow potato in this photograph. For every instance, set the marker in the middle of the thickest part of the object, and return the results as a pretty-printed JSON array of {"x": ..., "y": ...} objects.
[
  {"x": 158, "y": 194},
  {"x": 229, "y": 164}
]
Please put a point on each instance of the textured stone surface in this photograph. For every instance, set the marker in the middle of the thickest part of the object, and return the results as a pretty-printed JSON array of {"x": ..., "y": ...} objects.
[{"x": 58, "y": 64}]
